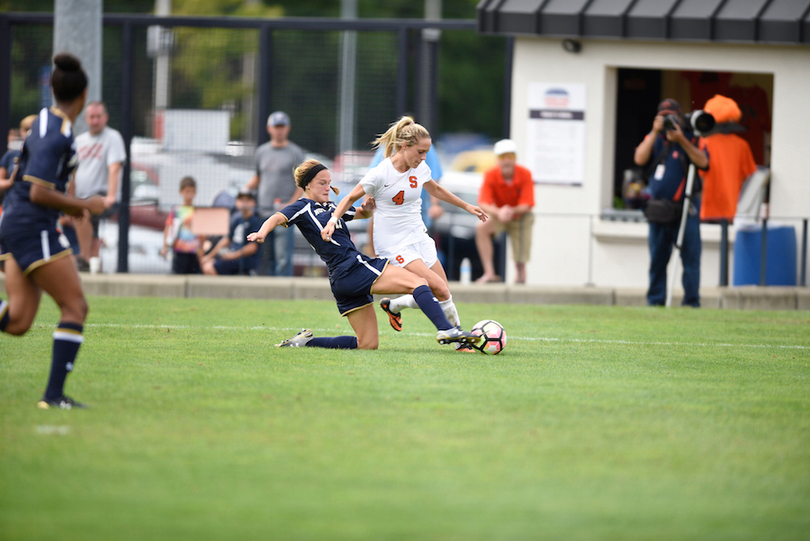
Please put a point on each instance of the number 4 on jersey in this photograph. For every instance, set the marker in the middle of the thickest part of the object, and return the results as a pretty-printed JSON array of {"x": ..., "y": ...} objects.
[{"x": 399, "y": 198}]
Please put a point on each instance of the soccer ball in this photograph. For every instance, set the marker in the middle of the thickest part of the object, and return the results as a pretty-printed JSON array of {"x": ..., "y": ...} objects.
[{"x": 494, "y": 337}]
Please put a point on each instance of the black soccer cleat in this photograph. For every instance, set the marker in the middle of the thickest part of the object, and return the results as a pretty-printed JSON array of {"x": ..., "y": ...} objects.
[
  {"x": 455, "y": 334},
  {"x": 299, "y": 340},
  {"x": 394, "y": 318},
  {"x": 62, "y": 403}
]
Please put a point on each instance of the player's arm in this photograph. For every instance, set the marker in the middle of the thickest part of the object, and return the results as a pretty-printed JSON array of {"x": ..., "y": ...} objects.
[
  {"x": 73, "y": 206},
  {"x": 356, "y": 193},
  {"x": 366, "y": 210},
  {"x": 113, "y": 174},
  {"x": 440, "y": 192},
  {"x": 269, "y": 224},
  {"x": 5, "y": 180}
]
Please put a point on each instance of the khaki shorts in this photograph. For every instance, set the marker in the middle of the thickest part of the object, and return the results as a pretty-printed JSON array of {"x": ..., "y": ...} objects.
[{"x": 520, "y": 235}]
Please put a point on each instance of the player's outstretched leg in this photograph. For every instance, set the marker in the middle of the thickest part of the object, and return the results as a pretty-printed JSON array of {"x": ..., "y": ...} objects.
[
  {"x": 305, "y": 338},
  {"x": 394, "y": 318}
]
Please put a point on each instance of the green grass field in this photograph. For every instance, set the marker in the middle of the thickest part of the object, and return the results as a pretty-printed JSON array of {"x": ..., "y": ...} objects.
[{"x": 595, "y": 423}]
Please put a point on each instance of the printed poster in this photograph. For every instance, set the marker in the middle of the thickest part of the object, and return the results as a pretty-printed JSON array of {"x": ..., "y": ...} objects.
[{"x": 556, "y": 132}]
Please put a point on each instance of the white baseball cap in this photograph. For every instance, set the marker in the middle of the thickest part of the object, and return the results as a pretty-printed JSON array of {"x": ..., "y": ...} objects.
[{"x": 505, "y": 146}]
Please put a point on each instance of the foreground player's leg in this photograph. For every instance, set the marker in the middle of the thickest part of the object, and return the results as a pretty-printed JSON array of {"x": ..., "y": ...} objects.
[
  {"x": 305, "y": 338},
  {"x": 61, "y": 281},
  {"x": 67, "y": 339},
  {"x": 394, "y": 317}
]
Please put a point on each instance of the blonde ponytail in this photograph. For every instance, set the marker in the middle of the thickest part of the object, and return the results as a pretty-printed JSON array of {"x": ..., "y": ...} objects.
[{"x": 405, "y": 132}]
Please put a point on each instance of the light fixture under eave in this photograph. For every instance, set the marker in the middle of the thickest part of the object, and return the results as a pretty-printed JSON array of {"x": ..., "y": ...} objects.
[{"x": 572, "y": 46}]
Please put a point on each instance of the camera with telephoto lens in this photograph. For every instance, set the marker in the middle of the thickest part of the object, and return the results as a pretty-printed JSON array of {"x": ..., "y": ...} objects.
[
  {"x": 700, "y": 121},
  {"x": 670, "y": 121}
]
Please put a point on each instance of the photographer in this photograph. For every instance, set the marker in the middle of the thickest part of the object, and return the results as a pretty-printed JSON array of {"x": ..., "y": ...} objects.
[{"x": 666, "y": 153}]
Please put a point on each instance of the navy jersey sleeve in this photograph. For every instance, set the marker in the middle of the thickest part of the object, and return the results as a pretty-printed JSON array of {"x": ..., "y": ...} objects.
[
  {"x": 293, "y": 211},
  {"x": 350, "y": 213}
]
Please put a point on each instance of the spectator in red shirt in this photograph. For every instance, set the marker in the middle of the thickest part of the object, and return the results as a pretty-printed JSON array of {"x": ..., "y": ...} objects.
[{"x": 507, "y": 195}]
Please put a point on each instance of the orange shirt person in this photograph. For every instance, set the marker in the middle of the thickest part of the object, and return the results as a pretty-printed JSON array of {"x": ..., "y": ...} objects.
[
  {"x": 507, "y": 195},
  {"x": 732, "y": 163}
]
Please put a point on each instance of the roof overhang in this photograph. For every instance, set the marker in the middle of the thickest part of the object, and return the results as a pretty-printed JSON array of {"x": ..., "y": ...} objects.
[{"x": 723, "y": 21}]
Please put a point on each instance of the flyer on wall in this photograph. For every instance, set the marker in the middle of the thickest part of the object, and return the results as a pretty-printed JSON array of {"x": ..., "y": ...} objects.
[{"x": 556, "y": 133}]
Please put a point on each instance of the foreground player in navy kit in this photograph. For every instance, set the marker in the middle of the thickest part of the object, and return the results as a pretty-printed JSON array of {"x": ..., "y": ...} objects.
[
  {"x": 36, "y": 253},
  {"x": 354, "y": 276}
]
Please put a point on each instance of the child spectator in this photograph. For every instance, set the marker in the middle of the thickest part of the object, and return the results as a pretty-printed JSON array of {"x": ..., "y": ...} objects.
[
  {"x": 178, "y": 235},
  {"x": 233, "y": 254}
]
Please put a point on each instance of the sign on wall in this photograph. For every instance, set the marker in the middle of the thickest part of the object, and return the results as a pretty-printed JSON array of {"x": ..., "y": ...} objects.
[{"x": 556, "y": 133}]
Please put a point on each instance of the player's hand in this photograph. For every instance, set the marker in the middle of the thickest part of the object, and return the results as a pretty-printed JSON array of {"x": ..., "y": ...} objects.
[
  {"x": 478, "y": 211},
  {"x": 369, "y": 206},
  {"x": 328, "y": 230},
  {"x": 109, "y": 200},
  {"x": 256, "y": 237},
  {"x": 95, "y": 204}
]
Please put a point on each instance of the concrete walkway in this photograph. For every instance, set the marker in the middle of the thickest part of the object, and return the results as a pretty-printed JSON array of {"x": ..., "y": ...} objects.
[{"x": 242, "y": 287}]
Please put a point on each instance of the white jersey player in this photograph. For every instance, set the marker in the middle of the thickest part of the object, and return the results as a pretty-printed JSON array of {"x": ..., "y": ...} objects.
[{"x": 399, "y": 232}]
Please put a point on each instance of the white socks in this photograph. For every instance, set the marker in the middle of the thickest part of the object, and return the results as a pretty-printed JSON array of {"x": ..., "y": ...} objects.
[{"x": 448, "y": 307}]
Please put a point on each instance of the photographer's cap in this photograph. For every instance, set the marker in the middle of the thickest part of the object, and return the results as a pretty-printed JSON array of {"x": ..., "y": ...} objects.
[
  {"x": 279, "y": 118},
  {"x": 505, "y": 146},
  {"x": 670, "y": 107}
]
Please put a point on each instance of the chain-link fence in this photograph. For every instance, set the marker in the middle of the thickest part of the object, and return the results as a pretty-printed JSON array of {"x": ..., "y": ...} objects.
[{"x": 191, "y": 97}]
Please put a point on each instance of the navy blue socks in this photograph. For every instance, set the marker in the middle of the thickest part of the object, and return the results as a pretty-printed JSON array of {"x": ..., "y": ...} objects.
[
  {"x": 333, "y": 342},
  {"x": 4, "y": 317},
  {"x": 430, "y": 306},
  {"x": 67, "y": 338}
]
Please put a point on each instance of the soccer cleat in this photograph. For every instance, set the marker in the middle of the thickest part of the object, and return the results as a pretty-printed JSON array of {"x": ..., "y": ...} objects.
[
  {"x": 394, "y": 318},
  {"x": 62, "y": 403},
  {"x": 455, "y": 334},
  {"x": 299, "y": 340},
  {"x": 465, "y": 348}
]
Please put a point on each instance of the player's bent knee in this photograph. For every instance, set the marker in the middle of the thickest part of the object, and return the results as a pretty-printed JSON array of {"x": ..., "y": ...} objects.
[{"x": 368, "y": 344}]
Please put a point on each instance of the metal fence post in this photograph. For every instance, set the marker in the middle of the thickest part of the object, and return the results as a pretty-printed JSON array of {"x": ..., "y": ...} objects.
[
  {"x": 5, "y": 82},
  {"x": 723, "y": 252},
  {"x": 265, "y": 79},
  {"x": 127, "y": 64},
  {"x": 763, "y": 257},
  {"x": 803, "y": 281}
]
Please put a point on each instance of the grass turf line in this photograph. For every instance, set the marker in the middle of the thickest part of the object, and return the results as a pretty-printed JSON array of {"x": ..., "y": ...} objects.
[{"x": 621, "y": 423}]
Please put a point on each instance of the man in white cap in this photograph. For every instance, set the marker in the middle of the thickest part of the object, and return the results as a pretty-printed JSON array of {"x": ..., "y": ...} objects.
[
  {"x": 507, "y": 195},
  {"x": 275, "y": 162}
]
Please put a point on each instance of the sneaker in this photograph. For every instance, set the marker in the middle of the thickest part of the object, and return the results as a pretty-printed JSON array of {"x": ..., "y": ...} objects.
[
  {"x": 394, "y": 318},
  {"x": 465, "y": 348},
  {"x": 62, "y": 403},
  {"x": 455, "y": 334},
  {"x": 299, "y": 340}
]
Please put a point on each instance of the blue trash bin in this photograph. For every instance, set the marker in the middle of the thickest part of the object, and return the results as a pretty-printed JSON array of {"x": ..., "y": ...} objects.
[{"x": 780, "y": 257}]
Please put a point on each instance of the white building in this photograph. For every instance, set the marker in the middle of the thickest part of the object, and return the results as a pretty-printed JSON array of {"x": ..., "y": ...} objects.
[{"x": 625, "y": 56}]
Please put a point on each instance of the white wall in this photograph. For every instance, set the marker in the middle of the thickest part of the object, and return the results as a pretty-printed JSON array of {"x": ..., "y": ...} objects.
[{"x": 571, "y": 245}]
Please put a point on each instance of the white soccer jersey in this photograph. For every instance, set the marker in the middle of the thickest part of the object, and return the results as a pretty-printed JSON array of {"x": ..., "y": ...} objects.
[{"x": 398, "y": 218}]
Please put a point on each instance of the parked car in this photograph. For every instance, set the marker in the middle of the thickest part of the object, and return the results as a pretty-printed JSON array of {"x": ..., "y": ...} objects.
[{"x": 454, "y": 231}]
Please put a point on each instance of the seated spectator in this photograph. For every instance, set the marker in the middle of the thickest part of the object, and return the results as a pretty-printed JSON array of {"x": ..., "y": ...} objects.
[
  {"x": 234, "y": 254},
  {"x": 507, "y": 195}
]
